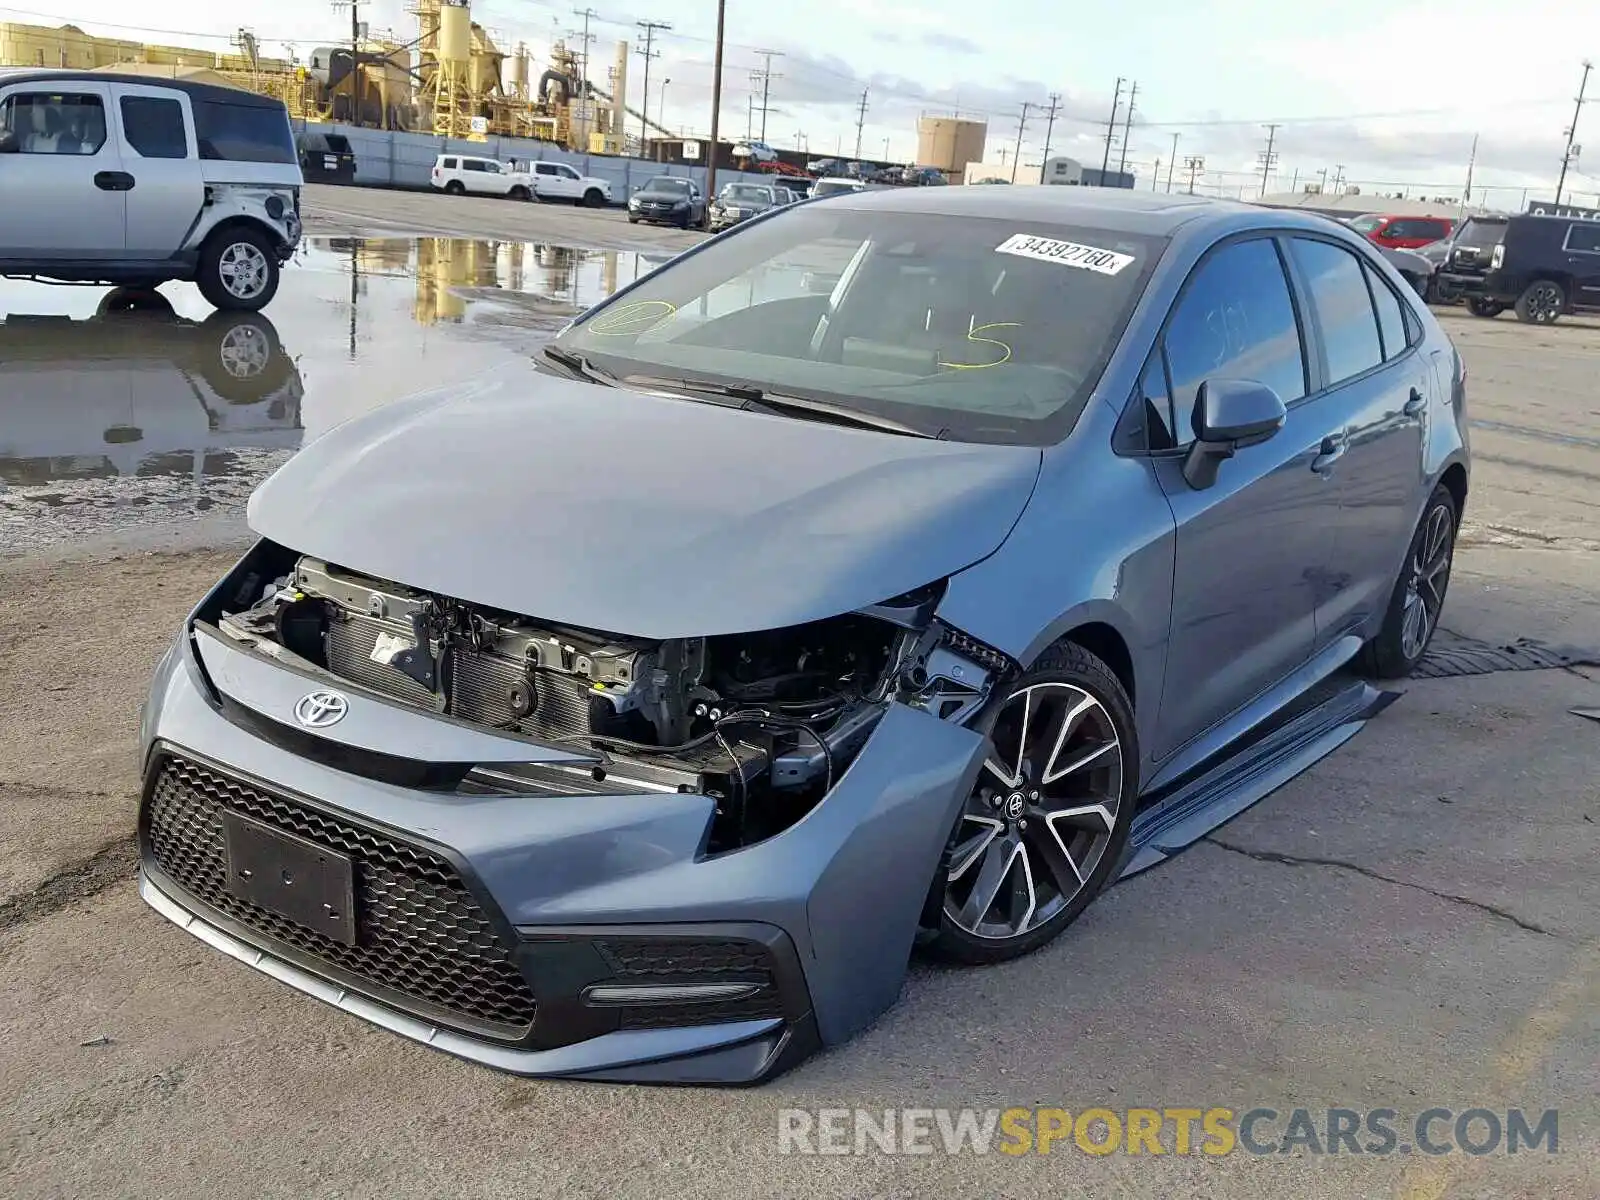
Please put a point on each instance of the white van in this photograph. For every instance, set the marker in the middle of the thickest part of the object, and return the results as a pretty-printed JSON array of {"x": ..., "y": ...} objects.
[
  {"x": 461, "y": 174},
  {"x": 114, "y": 179}
]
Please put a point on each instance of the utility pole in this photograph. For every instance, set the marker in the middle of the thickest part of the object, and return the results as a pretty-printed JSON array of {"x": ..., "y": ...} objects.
[
  {"x": 650, "y": 28},
  {"x": 1156, "y": 178},
  {"x": 1194, "y": 164},
  {"x": 1268, "y": 158},
  {"x": 1127, "y": 131},
  {"x": 355, "y": 57},
  {"x": 716, "y": 100},
  {"x": 1111, "y": 129},
  {"x": 1322, "y": 185},
  {"x": 861, "y": 113},
  {"x": 583, "y": 70},
  {"x": 766, "y": 77},
  {"x": 1016, "y": 159},
  {"x": 1172, "y": 160},
  {"x": 1472, "y": 160},
  {"x": 1338, "y": 177},
  {"x": 750, "y": 117},
  {"x": 1566, "y": 158},
  {"x": 1050, "y": 124}
]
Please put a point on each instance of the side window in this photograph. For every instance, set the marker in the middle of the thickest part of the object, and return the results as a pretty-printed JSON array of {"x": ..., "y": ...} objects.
[
  {"x": 154, "y": 128},
  {"x": 1391, "y": 320},
  {"x": 243, "y": 132},
  {"x": 1584, "y": 237},
  {"x": 568, "y": 172},
  {"x": 1235, "y": 320},
  {"x": 545, "y": 169},
  {"x": 54, "y": 123},
  {"x": 1343, "y": 306},
  {"x": 448, "y": 164},
  {"x": 473, "y": 164}
]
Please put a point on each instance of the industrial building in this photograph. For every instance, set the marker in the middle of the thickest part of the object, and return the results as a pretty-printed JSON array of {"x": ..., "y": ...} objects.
[{"x": 950, "y": 144}]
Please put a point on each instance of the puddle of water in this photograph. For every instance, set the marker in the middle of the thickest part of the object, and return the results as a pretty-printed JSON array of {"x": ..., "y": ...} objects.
[{"x": 119, "y": 409}]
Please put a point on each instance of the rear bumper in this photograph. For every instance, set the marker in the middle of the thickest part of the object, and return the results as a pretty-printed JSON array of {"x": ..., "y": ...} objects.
[{"x": 553, "y": 885}]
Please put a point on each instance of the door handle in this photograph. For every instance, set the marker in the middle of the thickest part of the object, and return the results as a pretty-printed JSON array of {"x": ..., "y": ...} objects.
[
  {"x": 1415, "y": 403},
  {"x": 113, "y": 181},
  {"x": 1330, "y": 452}
]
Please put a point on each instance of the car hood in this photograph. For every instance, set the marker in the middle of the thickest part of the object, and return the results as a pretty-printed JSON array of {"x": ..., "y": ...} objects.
[{"x": 639, "y": 514}]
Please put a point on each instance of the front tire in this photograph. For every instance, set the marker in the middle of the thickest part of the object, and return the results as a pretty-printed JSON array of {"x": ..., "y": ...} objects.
[
  {"x": 593, "y": 198},
  {"x": 1417, "y": 601},
  {"x": 1479, "y": 307},
  {"x": 238, "y": 270},
  {"x": 1046, "y": 823}
]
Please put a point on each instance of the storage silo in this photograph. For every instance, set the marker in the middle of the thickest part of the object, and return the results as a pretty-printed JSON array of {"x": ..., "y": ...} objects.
[
  {"x": 950, "y": 143},
  {"x": 455, "y": 35}
]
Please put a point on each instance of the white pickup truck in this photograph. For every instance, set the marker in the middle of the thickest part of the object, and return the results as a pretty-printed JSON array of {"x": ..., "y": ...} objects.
[{"x": 560, "y": 181}]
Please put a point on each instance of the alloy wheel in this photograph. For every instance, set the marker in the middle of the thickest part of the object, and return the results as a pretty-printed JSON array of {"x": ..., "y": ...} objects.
[
  {"x": 243, "y": 270},
  {"x": 1544, "y": 302},
  {"x": 244, "y": 352},
  {"x": 1039, "y": 820},
  {"x": 1425, "y": 587}
]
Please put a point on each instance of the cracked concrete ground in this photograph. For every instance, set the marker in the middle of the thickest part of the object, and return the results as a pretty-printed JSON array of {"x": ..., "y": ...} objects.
[{"x": 1413, "y": 922}]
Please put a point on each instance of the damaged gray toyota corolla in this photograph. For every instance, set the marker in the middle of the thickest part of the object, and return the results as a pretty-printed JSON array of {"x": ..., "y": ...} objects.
[{"x": 897, "y": 570}]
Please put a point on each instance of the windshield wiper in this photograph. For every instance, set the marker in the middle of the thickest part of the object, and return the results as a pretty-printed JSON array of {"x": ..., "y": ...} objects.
[
  {"x": 580, "y": 367},
  {"x": 759, "y": 399}
]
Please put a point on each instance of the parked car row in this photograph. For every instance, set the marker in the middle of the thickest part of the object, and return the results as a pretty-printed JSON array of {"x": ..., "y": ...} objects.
[{"x": 467, "y": 174}]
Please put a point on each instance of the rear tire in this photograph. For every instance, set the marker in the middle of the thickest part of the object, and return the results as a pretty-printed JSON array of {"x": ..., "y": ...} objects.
[
  {"x": 455, "y": 188},
  {"x": 1044, "y": 829},
  {"x": 521, "y": 193},
  {"x": 238, "y": 270},
  {"x": 1417, "y": 601},
  {"x": 1542, "y": 302}
]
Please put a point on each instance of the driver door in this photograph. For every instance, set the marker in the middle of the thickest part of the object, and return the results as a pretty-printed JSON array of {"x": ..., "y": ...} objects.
[{"x": 63, "y": 191}]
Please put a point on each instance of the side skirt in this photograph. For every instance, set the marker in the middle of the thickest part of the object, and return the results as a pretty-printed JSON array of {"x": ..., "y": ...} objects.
[{"x": 1177, "y": 816}]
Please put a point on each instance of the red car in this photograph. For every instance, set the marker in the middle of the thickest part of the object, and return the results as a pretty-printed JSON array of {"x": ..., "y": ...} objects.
[{"x": 1402, "y": 233}]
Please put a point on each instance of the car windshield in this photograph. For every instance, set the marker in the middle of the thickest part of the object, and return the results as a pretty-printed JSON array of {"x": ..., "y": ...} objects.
[
  {"x": 666, "y": 183},
  {"x": 746, "y": 193},
  {"x": 980, "y": 329},
  {"x": 1366, "y": 224},
  {"x": 830, "y": 186}
]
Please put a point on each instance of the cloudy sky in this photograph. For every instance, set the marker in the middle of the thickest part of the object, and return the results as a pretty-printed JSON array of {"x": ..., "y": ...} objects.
[{"x": 1357, "y": 86}]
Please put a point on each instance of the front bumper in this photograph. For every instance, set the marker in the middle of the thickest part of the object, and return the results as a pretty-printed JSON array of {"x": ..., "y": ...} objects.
[{"x": 487, "y": 920}]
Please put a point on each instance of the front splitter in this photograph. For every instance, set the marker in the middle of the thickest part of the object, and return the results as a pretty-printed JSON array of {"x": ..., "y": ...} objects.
[{"x": 738, "y": 1052}]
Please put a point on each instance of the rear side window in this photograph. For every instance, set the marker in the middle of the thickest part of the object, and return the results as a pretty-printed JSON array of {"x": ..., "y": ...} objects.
[
  {"x": 1391, "y": 318},
  {"x": 154, "y": 128},
  {"x": 1584, "y": 237},
  {"x": 1235, "y": 320},
  {"x": 243, "y": 132},
  {"x": 448, "y": 164},
  {"x": 1343, "y": 306}
]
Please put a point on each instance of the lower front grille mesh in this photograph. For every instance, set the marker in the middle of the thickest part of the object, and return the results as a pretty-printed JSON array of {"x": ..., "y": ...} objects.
[{"x": 422, "y": 936}]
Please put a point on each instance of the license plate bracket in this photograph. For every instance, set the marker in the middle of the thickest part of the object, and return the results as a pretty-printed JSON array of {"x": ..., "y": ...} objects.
[{"x": 291, "y": 876}]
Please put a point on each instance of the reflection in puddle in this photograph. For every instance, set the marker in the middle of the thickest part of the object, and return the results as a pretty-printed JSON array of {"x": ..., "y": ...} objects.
[{"x": 119, "y": 407}]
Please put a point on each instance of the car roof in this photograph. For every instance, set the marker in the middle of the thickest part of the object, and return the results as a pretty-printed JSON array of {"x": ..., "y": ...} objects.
[
  {"x": 196, "y": 91},
  {"x": 1119, "y": 210}
]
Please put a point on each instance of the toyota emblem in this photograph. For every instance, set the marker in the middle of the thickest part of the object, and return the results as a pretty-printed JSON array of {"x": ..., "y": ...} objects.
[{"x": 318, "y": 710}]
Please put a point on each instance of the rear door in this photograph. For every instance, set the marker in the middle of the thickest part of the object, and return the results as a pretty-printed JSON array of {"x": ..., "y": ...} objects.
[
  {"x": 156, "y": 135},
  {"x": 63, "y": 193},
  {"x": 1583, "y": 260},
  {"x": 1248, "y": 547},
  {"x": 1375, "y": 394}
]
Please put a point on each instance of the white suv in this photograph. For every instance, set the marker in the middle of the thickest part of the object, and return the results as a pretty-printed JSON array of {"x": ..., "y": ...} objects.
[
  {"x": 459, "y": 174},
  {"x": 136, "y": 181},
  {"x": 558, "y": 181}
]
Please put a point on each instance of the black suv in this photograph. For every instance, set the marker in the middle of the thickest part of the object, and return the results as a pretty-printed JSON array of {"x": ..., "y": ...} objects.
[{"x": 1541, "y": 266}]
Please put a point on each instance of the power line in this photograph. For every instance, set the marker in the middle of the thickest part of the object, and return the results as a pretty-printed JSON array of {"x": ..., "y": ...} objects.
[
  {"x": 1572, "y": 132},
  {"x": 1050, "y": 124},
  {"x": 861, "y": 118},
  {"x": 1268, "y": 158},
  {"x": 1111, "y": 128},
  {"x": 766, "y": 77},
  {"x": 651, "y": 28}
]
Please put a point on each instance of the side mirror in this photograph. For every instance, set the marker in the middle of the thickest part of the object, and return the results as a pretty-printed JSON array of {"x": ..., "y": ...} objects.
[
  {"x": 1229, "y": 414},
  {"x": 8, "y": 143}
]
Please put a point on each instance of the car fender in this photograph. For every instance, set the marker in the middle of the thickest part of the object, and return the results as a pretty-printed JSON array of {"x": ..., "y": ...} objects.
[{"x": 242, "y": 203}]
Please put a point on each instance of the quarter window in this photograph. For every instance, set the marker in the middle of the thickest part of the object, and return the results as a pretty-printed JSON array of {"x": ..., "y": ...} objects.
[
  {"x": 1343, "y": 307},
  {"x": 1235, "y": 320},
  {"x": 1391, "y": 320},
  {"x": 54, "y": 122},
  {"x": 1584, "y": 237},
  {"x": 154, "y": 128},
  {"x": 243, "y": 132}
]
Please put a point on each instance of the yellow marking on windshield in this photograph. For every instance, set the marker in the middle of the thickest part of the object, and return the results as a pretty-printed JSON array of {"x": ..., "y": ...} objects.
[
  {"x": 972, "y": 336},
  {"x": 641, "y": 316}
]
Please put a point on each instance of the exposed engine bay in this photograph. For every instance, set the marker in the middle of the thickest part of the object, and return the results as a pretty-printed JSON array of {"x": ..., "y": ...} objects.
[{"x": 764, "y": 722}]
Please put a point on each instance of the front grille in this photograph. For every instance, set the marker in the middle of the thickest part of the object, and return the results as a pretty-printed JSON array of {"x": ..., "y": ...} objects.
[
  {"x": 480, "y": 684},
  {"x": 423, "y": 941}
]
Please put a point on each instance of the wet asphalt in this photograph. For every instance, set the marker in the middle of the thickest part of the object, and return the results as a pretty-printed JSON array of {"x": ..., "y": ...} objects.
[{"x": 1411, "y": 923}]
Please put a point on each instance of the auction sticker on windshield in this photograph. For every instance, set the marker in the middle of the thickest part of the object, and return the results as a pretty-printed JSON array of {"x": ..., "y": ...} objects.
[{"x": 1068, "y": 254}]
